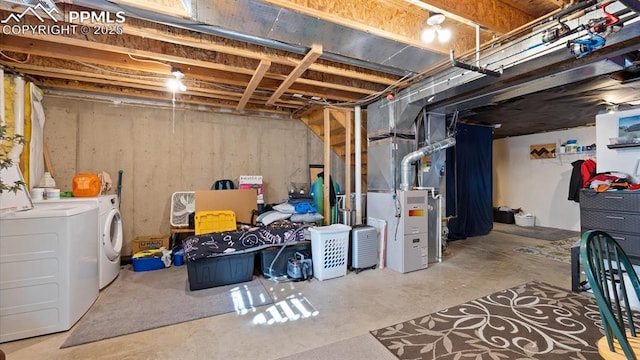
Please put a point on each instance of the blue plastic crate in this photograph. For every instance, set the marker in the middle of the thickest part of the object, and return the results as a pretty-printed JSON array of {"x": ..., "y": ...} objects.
[{"x": 147, "y": 261}]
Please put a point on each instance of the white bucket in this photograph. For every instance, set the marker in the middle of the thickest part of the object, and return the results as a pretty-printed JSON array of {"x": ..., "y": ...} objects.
[
  {"x": 525, "y": 220},
  {"x": 37, "y": 193},
  {"x": 53, "y": 194}
]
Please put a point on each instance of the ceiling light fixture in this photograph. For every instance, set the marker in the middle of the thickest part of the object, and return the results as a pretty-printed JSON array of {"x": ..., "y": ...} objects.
[
  {"x": 435, "y": 30},
  {"x": 435, "y": 19},
  {"x": 176, "y": 84}
]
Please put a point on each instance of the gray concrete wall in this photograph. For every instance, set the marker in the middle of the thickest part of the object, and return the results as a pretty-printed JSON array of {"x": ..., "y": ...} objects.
[{"x": 160, "y": 154}]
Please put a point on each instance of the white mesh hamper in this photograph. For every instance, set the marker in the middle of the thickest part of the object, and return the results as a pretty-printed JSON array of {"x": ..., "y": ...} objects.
[{"x": 329, "y": 249}]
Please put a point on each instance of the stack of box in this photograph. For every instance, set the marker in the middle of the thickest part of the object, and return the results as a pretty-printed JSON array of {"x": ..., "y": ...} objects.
[{"x": 253, "y": 182}]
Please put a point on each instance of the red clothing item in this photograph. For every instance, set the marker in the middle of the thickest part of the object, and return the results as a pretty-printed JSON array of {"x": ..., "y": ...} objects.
[{"x": 587, "y": 170}]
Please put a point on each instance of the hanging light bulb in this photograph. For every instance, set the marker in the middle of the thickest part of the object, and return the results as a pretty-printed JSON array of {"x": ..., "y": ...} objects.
[
  {"x": 434, "y": 30},
  {"x": 444, "y": 35},
  {"x": 176, "y": 84},
  {"x": 429, "y": 34}
]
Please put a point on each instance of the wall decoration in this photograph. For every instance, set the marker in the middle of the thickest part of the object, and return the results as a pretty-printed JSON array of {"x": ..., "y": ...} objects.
[
  {"x": 542, "y": 151},
  {"x": 629, "y": 127}
]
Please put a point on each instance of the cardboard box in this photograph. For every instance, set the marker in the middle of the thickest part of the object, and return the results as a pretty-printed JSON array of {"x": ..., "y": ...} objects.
[
  {"x": 252, "y": 182},
  {"x": 242, "y": 202},
  {"x": 146, "y": 242}
]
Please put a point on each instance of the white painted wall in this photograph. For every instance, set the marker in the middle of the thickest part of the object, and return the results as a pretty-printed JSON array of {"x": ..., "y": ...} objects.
[
  {"x": 622, "y": 160},
  {"x": 540, "y": 187}
]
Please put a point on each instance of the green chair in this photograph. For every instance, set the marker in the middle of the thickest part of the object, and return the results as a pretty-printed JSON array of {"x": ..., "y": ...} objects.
[{"x": 609, "y": 272}]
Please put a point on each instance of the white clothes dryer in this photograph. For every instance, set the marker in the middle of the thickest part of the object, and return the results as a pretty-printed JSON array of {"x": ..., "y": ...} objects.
[{"x": 109, "y": 234}]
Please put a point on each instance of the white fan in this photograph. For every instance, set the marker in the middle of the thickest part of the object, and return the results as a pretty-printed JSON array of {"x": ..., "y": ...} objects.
[{"x": 183, "y": 203}]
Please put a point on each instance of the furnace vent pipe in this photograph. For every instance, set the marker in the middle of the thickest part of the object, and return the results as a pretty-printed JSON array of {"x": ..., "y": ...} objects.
[{"x": 405, "y": 165}]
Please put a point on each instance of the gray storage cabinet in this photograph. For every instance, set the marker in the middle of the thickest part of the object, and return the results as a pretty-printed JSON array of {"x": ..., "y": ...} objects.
[{"x": 615, "y": 212}]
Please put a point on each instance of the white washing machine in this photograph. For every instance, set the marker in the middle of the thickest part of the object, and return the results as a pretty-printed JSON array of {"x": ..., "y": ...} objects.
[
  {"x": 109, "y": 234},
  {"x": 110, "y": 246},
  {"x": 48, "y": 268}
]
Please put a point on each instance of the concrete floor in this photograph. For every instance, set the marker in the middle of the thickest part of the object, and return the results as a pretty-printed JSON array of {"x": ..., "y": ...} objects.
[{"x": 348, "y": 307}]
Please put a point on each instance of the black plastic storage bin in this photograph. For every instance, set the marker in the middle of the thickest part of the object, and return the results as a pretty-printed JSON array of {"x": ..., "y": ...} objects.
[
  {"x": 280, "y": 266},
  {"x": 505, "y": 217},
  {"x": 220, "y": 270}
]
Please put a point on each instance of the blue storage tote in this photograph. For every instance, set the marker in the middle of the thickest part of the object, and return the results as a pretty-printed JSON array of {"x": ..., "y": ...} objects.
[{"x": 147, "y": 260}]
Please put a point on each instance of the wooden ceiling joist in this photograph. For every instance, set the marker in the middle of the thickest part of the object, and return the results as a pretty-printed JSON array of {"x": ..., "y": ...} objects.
[
  {"x": 253, "y": 84},
  {"x": 393, "y": 19},
  {"x": 313, "y": 54},
  {"x": 160, "y": 32}
]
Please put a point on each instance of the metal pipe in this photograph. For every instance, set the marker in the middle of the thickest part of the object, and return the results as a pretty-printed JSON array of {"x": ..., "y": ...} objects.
[
  {"x": 358, "y": 165},
  {"x": 234, "y": 35},
  {"x": 576, "y": 7},
  {"x": 195, "y": 25},
  {"x": 479, "y": 69},
  {"x": 405, "y": 165},
  {"x": 477, "y": 45}
]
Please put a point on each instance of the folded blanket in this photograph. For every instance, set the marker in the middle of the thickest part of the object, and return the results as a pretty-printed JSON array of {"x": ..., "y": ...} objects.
[
  {"x": 243, "y": 240},
  {"x": 305, "y": 207}
]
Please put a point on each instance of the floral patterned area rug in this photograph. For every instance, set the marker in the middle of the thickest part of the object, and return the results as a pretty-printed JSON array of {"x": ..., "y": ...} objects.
[
  {"x": 531, "y": 321},
  {"x": 559, "y": 250}
]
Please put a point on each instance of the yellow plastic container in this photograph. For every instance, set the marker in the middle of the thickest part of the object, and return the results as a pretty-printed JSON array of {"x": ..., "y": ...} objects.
[{"x": 214, "y": 221}]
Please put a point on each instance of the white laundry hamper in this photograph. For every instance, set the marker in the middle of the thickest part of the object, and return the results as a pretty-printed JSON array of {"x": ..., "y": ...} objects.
[
  {"x": 329, "y": 250},
  {"x": 527, "y": 220}
]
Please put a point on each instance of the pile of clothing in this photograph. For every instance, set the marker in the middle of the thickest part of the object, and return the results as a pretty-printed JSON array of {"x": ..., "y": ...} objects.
[
  {"x": 584, "y": 176},
  {"x": 298, "y": 208},
  {"x": 611, "y": 181}
]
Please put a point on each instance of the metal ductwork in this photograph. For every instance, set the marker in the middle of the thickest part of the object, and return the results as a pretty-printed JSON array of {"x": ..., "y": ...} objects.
[
  {"x": 259, "y": 23},
  {"x": 405, "y": 165}
]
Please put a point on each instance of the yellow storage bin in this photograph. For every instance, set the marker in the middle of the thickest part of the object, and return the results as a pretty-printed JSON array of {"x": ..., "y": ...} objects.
[{"x": 214, "y": 221}]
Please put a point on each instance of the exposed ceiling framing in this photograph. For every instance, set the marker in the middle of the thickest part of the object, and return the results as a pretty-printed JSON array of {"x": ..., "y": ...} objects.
[
  {"x": 223, "y": 72},
  {"x": 283, "y": 58}
]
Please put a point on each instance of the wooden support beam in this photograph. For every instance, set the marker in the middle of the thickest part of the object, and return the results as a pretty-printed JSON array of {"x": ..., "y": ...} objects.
[
  {"x": 205, "y": 71},
  {"x": 253, "y": 83},
  {"x": 494, "y": 15},
  {"x": 310, "y": 58},
  {"x": 148, "y": 30},
  {"x": 404, "y": 20},
  {"x": 379, "y": 18}
]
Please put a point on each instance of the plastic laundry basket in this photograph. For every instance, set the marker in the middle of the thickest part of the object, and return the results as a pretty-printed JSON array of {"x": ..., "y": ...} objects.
[
  {"x": 525, "y": 220},
  {"x": 329, "y": 250}
]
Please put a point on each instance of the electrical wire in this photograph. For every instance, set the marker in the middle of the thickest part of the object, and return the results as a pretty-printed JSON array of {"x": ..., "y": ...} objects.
[
  {"x": 150, "y": 61},
  {"x": 291, "y": 238},
  {"x": 115, "y": 72},
  {"x": 16, "y": 60}
]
